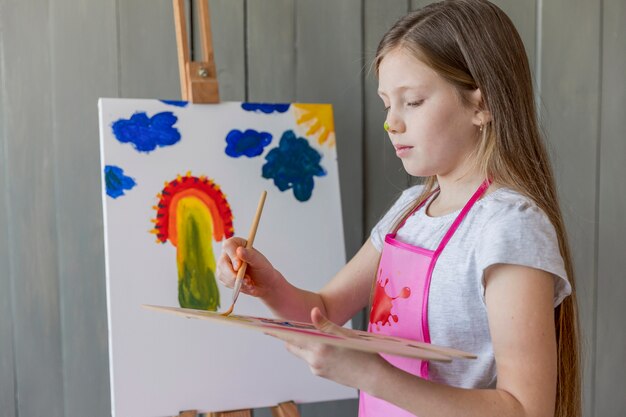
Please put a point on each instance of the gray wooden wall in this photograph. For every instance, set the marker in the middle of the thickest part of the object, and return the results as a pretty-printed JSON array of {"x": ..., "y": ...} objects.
[{"x": 57, "y": 57}]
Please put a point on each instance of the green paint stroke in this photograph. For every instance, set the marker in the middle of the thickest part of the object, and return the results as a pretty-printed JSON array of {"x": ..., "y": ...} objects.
[{"x": 197, "y": 287}]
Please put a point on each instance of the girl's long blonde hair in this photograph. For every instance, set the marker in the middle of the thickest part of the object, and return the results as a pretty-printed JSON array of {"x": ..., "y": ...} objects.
[{"x": 473, "y": 44}]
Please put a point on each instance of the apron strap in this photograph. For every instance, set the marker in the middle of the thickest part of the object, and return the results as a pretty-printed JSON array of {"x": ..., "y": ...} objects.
[
  {"x": 419, "y": 206},
  {"x": 457, "y": 222}
]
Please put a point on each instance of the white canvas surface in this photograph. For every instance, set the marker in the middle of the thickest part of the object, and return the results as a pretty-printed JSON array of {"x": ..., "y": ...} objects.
[{"x": 162, "y": 364}]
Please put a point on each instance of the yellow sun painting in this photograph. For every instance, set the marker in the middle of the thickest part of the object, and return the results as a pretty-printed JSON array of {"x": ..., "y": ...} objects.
[{"x": 318, "y": 120}]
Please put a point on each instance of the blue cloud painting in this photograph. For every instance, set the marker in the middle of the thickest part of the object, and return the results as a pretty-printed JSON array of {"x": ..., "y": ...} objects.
[
  {"x": 146, "y": 133},
  {"x": 266, "y": 108},
  {"x": 177, "y": 103},
  {"x": 293, "y": 164},
  {"x": 116, "y": 182},
  {"x": 249, "y": 143}
]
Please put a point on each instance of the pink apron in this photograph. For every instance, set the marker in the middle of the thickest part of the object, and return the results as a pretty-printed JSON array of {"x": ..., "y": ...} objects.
[{"x": 400, "y": 304}]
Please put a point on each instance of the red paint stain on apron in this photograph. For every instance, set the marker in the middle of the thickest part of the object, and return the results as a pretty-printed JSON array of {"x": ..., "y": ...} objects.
[{"x": 382, "y": 304}]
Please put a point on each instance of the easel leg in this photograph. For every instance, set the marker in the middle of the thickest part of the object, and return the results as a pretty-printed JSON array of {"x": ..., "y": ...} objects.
[
  {"x": 238, "y": 413},
  {"x": 288, "y": 409}
]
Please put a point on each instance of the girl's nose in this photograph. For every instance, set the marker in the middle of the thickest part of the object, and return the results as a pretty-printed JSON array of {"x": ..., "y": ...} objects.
[{"x": 394, "y": 124}]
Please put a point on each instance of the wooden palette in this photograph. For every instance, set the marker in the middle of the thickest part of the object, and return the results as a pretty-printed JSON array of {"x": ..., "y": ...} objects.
[{"x": 351, "y": 339}]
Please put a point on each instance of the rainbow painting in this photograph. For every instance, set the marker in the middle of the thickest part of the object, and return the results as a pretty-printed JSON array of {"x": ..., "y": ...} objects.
[{"x": 190, "y": 213}]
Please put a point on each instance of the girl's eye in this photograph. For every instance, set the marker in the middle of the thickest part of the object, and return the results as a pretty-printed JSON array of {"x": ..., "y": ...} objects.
[{"x": 415, "y": 103}]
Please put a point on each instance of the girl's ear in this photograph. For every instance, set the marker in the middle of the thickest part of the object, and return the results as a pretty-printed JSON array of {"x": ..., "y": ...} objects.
[{"x": 482, "y": 115}]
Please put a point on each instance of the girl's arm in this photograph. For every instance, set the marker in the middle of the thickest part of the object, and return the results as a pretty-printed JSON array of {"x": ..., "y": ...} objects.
[
  {"x": 339, "y": 299},
  {"x": 521, "y": 321}
]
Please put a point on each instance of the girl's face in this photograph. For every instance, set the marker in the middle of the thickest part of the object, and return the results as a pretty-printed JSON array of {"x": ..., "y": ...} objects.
[{"x": 432, "y": 131}]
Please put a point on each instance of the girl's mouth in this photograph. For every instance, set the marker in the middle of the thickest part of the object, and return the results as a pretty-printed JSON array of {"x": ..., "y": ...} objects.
[{"x": 402, "y": 150}]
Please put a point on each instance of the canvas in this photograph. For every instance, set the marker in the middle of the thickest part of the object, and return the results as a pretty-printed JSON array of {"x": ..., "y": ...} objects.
[{"x": 178, "y": 179}]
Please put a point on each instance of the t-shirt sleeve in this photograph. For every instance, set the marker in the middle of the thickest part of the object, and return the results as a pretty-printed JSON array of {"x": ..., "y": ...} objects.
[
  {"x": 522, "y": 234},
  {"x": 384, "y": 225}
]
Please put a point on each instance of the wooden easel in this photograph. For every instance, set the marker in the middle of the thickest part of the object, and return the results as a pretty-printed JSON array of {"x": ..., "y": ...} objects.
[
  {"x": 287, "y": 409},
  {"x": 198, "y": 79},
  {"x": 198, "y": 84}
]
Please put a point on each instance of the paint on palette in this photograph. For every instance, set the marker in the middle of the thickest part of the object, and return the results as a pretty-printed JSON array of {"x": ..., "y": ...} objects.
[
  {"x": 293, "y": 164},
  {"x": 116, "y": 182},
  {"x": 287, "y": 324},
  {"x": 191, "y": 213},
  {"x": 249, "y": 143},
  {"x": 147, "y": 133},
  {"x": 318, "y": 121},
  {"x": 314, "y": 333},
  {"x": 380, "y": 313},
  {"x": 266, "y": 108}
]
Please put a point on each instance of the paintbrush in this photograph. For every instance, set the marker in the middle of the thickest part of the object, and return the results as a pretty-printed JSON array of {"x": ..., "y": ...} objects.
[{"x": 242, "y": 269}]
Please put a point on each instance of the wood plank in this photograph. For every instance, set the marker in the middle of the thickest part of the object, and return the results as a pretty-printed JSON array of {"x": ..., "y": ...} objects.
[
  {"x": 271, "y": 51},
  {"x": 333, "y": 75},
  {"x": 610, "y": 370},
  {"x": 324, "y": 408},
  {"x": 84, "y": 68},
  {"x": 28, "y": 122},
  {"x": 148, "y": 64},
  {"x": 524, "y": 17},
  {"x": 7, "y": 359},
  {"x": 416, "y": 4},
  {"x": 329, "y": 61},
  {"x": 338, "y": 408},
  {"x": 384, "y": 176},
  {"x": 569, "y": 78},
  {"x": 286, "y": 409}
]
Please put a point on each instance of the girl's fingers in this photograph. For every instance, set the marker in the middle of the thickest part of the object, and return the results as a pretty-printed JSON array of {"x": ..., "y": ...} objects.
[
  {"x": 225, "y": 272},
  {"x": 296, "y": 350},
  {"x": 287, "y": 339},
  {"x": 293, "y": 345},
  {"x": 230, "y": 249},
  {"x": 251, "y": 256},
  {"x": 248, "y": 284},
  {"x": 322, "y": 323}
]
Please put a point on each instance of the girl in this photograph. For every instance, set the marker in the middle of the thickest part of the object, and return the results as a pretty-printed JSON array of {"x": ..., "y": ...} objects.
[{"x": 475, "y": 258}]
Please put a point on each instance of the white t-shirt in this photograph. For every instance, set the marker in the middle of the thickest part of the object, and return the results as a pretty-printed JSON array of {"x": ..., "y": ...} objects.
[{"x": 502, "y": 227}]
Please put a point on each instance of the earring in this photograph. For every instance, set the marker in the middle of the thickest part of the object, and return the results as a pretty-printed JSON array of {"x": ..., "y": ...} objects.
[
  {"x": 481, "y": 127},
  {"x": 386, "y": 126}
]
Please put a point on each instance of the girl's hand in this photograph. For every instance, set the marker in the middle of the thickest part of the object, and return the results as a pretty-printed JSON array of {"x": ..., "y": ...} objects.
[
  {"x": 260, "y": 277},
  {"x": 348, "y": 367}
]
